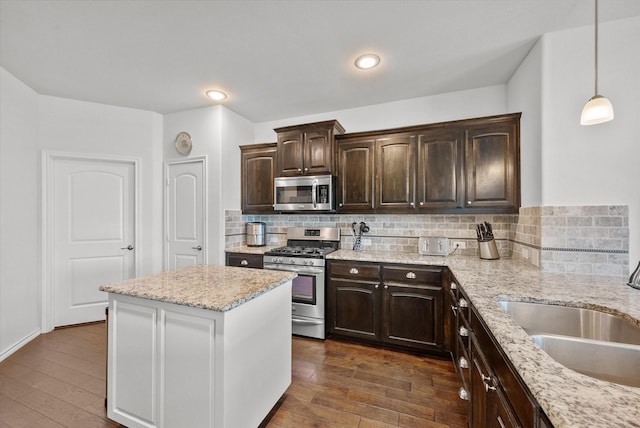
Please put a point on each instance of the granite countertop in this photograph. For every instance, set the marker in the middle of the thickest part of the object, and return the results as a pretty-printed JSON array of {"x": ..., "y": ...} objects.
[
  {"x": 569, "y": 399},
  {"x": 217, "y": 288},
  {"x": 251, "y": 250}
]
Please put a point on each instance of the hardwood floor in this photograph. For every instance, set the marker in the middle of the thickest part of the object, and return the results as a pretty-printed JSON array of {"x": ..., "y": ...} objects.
[{"x": 58, "y": 380}]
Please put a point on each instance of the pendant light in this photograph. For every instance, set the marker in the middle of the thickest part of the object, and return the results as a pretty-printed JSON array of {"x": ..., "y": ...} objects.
[{"x": 598, "y": 109}]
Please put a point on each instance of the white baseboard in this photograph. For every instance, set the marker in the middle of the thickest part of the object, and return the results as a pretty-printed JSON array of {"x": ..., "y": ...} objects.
[{"x": 19, "y": 345}]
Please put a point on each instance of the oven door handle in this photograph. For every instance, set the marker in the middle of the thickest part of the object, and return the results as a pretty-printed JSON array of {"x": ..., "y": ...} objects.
[
  {"x": 298, "y": 269},
  {"x": 306, "y": 322}
]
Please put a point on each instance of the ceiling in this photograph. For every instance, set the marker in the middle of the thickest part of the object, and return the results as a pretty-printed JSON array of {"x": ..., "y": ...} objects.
[{"x": 276, "y": 59}]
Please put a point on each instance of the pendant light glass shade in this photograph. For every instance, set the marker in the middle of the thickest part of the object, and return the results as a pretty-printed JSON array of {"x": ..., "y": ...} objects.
[{"x": 598, "y": 109}]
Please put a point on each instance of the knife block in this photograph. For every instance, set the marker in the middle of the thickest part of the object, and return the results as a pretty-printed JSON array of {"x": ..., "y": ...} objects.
[{"x": 488, "y": 250}]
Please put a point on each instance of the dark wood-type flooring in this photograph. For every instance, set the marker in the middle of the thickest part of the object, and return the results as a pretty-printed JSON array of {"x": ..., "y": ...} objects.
[{"x": 58, "y": 380}]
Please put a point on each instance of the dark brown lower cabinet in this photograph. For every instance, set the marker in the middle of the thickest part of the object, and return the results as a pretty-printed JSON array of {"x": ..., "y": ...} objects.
[
  {"x": 396, "y": 305},
  {"x": 244, "y": 260}
]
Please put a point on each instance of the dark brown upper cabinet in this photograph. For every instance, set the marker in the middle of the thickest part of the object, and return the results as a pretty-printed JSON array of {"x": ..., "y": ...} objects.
[
  {"x": 395, "y": 172},
  {"x": 470, "y": 165},
  {"x": 492, "y": 155},
  {"x": 356, "y": 175},
  {"x": 307, "y": 149},
  {"x": 440, "y": 182},
  {"x": 258, "y": 167}
]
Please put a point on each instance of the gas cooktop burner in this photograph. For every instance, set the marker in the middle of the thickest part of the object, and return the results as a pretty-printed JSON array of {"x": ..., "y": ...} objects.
[{"x": 311, "y": 251}]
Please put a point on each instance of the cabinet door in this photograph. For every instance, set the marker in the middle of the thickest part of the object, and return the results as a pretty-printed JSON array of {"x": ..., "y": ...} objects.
[
  {"x": 492, "y": 166},
  {"x": 412, "y": 315},
  {"x": 355, "y": 175},
  {"x": 317, "y": 153},
  {"x": 354, "y": 308},
  {"x": 440, "y": 181},
  {"x": 395, "y": 175},
  {"x": 258, "y": 167},
  {"x": 290, "y": 148}
]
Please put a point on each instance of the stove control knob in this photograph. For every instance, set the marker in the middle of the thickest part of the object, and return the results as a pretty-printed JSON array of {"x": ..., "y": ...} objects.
[
  {"x": 279, "y": 260},
  {"x": 308, "y": 262},
  {"x": 292, "y": 261}
]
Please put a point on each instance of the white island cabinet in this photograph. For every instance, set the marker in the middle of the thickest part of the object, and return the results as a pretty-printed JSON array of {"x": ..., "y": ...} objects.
[{"x": 202, "y": 346}]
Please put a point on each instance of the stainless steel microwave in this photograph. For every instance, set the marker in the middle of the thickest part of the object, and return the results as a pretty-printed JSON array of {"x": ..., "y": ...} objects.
[{"x": 304, "y": 193}]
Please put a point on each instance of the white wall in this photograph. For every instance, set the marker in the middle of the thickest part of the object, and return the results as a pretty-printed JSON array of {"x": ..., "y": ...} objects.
[
  {"x": 416, "y": 111},
  {"x": 19, "y": 214},
  {"x": 32, "y": 123},
  {"x": 598, "y": 164},
  {"x": 217, "y": 133},
  {"x": 525, "y": 94}
]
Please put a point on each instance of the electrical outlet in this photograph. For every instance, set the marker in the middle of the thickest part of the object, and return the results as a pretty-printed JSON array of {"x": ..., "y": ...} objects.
[
  {"x": 525, "y": 254},
  {"x": 461, "y": 245}
]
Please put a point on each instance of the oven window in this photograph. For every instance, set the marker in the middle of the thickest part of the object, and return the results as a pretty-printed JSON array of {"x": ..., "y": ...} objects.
[{"x": 303, "y": 289}]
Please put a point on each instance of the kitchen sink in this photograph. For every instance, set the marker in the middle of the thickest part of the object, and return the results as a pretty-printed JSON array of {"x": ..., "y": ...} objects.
[
  {"x": 537, "y": 318},
  {"x": 597, "y": 344},
  {"x": 610, "y": 361}
]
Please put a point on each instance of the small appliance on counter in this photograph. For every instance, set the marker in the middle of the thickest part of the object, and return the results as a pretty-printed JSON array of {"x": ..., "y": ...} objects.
[
  {"x": 256, "y": 234},
  {"x": 433, "y": 246},
  {"x": 486, "y": 243}
]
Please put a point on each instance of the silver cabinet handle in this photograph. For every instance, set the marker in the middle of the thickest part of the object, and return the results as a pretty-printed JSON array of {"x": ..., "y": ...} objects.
[
  {"x": 422, "y": 204},
  {"x": 463, "y": 363},
  {"x": 299, "y": 170},
  {"x": 306, "y": 169},
  {"x": 454, "y": 286},
  {"x": 413, "y": 204},
  {"x": 487, "y": 381},
  {"x": 464, "y": 332},
  {"x": 463, "y": 394},
  {"x": 468, "y": 202},
  {"x": 354, "y": 271},
  {"x": 386, "y": 287},
  {"x": 244, "y": 263},
  {"x": 128, "y": 247},
  {"x": 199, "y": 248},
  {"x": 454, "y": 309},
  {"x": 411, "y": 275},
  {"x": 463, "y": 303},
  {"x": 340, "y": 204},
  {"x": 376, "y": 286}
]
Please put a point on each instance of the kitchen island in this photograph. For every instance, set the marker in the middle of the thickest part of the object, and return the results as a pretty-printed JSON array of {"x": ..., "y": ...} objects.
[
  {"x": 206, "y": 346},
  {"x": 568, "y": 398}
]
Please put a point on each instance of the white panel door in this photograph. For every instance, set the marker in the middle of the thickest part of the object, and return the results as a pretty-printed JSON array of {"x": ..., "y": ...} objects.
[
  {"x": 93, "y": 232},
  {"x": 186, "y": 219}
]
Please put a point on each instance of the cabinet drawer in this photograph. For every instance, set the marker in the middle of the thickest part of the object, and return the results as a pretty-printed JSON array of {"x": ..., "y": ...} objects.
[
  {"x": 412, "y": 275},
  {"x": 244, "y": 260},
  {"x": 523, "y": 405},
  {"x": 355, "y": 271}
]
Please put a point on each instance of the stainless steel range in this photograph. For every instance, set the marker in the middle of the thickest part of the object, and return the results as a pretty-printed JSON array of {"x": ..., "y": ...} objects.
[{"x": 305, "y": 254}]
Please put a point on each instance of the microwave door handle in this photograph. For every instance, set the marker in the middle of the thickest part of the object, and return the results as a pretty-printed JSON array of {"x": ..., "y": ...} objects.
[{"x": 314, "y": 188}]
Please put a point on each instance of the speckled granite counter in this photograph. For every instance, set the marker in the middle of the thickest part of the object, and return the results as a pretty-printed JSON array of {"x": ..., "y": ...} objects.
[
  {"x": 568, "y": 398},
  {"x": 217, "y": 288},
  {"x": 251, "y": 250}
]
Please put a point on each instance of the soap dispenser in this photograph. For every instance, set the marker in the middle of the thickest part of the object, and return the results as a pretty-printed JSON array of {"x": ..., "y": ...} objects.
[{"x": 634, "y": 279}]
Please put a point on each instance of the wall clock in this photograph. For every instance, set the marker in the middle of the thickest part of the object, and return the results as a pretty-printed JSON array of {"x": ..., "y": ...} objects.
[{"x": 183, "y": 143}]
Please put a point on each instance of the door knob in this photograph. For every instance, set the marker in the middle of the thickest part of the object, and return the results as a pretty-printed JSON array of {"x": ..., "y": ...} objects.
[
  {"x": 199, "y": 248},
  {"x": 128, "y": 247}
]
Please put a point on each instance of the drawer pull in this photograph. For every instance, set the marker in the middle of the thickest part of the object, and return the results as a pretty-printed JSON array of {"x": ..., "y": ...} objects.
[
  {"x": 464, "y": 332},
  {"x": 454, "y": 309},
  {"x": 463, "y": 303},
  {"x": 354, "y": 271},
  {"x": 463, "y": 363},
  {"x": 244, "y": 263},
  {"x": 463, "y": 394},
  {"x": 454, "y": 286},
  {"x": 410, "y": 275}
]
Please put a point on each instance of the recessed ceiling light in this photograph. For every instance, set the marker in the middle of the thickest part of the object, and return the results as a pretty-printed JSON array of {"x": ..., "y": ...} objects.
[
  {"x": 367, "y": 61},
  {"x": 216, "y": 95}
]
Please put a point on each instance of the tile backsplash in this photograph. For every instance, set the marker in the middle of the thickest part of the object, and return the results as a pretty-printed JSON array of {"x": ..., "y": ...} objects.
[{"x": 572, "y": 239}]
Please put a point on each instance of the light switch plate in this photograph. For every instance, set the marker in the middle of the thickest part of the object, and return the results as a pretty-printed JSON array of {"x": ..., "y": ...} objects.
[{"x": 433, "y": 246}]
